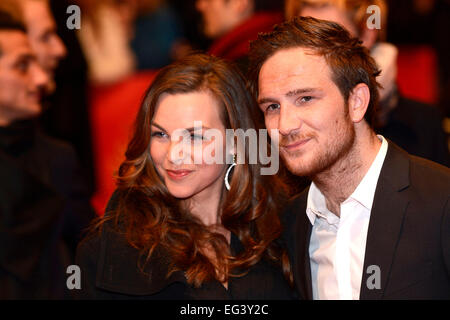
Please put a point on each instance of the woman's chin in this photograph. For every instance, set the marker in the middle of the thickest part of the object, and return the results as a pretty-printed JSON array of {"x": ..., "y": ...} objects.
[{"x": 180, "y": 193}]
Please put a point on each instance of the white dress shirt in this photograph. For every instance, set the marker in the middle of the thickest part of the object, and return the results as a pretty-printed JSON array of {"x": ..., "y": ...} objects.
[{"x": 338, "y": 245}]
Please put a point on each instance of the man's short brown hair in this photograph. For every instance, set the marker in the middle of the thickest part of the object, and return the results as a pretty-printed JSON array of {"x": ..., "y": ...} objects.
[{"x": 350, "y": 62}]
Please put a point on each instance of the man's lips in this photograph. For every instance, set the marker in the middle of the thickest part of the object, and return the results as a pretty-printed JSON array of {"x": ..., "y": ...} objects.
[
  {"x": 295, "y": 145},
  {"x": 37, "y": 96},
  {"x": 178, "y": 174}
]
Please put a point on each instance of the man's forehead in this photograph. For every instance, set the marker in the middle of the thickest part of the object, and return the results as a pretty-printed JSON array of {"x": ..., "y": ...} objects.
[
  {"x": 14, "y": 42},
  {"x": 37, "y": 14},
  {"x": 292, "y": 63},
  {"x": 294, "y": 60}
]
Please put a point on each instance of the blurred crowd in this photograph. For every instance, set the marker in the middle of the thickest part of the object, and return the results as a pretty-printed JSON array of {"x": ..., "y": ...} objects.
[{"x": 97, "y": 75}]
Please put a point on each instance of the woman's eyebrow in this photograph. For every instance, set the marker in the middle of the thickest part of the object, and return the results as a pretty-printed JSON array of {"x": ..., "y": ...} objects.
[
  {"x": 196, "y": 128},
  {"x": 158, "y": 126}
]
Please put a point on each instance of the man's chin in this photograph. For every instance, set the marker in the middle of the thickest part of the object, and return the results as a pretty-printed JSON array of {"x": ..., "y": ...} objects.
[{"x": 298, "y": 166}]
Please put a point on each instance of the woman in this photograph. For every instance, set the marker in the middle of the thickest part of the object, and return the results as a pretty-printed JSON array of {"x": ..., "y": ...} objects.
[{"x": 173, "y": 230}]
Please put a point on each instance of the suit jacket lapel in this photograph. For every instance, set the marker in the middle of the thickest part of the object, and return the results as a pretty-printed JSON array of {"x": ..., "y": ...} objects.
[
  {"x": 386, "y": 221},
  {"x": 307, "y": 264},
  {"x": 300, "y": 234}
]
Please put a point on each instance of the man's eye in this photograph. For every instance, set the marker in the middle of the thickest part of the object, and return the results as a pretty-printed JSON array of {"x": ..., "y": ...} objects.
[
  {"x": 272, "y": 107},
  {"x": 306, "y": 99},
  {"x": 23, "y": 66},
  {"x": 46, "y": 37}
]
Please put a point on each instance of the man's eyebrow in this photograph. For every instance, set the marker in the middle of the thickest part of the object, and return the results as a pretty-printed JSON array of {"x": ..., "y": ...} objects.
[
  {"x": 266, "y": 100},
  {"x": 300, "y": 91},
  {"x": 288, "y": 94},
  {"x": 25, "y": 57}
]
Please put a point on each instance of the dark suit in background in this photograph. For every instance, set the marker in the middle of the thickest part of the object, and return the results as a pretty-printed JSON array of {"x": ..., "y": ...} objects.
[
  {"x": 408, "y": 236},
  {"x": 418, "y": 128},
  {"x": 44, "y": 206}
]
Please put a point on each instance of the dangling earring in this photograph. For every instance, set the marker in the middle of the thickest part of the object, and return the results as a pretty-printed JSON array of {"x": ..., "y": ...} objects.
[{"x": 227, "y": 184}]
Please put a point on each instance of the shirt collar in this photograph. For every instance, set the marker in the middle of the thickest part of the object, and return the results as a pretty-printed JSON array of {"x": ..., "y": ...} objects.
[
  {"x": 364, "y": 192},
  {"x": 316, "y": 203}
]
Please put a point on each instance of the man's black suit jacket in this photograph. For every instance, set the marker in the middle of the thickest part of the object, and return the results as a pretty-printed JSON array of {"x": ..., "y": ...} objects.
[{"x": 408, "y": 236}]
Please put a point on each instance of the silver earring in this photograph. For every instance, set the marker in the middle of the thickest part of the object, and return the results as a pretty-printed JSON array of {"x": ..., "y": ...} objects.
[{"x": 227, "y": 184}]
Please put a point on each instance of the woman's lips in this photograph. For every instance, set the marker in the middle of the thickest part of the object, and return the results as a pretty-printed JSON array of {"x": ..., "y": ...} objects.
[{"x": 178, "y": 174}]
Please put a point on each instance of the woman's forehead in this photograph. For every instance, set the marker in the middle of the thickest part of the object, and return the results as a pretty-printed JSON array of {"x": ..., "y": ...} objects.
[{"x": 181, "y": 110}]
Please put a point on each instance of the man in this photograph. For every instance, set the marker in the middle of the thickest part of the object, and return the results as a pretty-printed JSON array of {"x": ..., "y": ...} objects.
[
  {"x": 65, "y": 114},
  {"x": 415, "y": 126},
  {"x": 43, "y": 203},
  {"x": 41, "y": 29},
  {"x": 233, "y": 23},
  {"x": 375, "y": 221}
]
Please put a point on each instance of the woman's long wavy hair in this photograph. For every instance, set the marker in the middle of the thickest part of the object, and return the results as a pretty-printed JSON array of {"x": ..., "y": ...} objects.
[{"x": 151, "y": 218}]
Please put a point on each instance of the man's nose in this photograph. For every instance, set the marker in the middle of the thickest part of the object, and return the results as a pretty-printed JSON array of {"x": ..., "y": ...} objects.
[
  {"x": 288, "y": 120},
  {"x": 40, "y": 77},
  {"x": 59, "y": 49}
]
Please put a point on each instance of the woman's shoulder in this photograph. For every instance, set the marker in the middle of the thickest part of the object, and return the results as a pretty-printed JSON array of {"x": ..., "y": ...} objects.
[{"x": 114, "y": 268}]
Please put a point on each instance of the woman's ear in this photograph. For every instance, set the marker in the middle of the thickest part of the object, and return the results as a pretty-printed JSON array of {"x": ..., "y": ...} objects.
[{"x": 358, "y": 102}]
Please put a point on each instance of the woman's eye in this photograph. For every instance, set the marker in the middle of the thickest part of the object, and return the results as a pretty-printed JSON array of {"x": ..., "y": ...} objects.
[
  {"x": 197, "y": 137},
  {"x": 159, "y": 134}
]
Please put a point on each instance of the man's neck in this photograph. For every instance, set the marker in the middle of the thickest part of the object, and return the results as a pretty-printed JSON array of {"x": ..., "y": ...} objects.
[{"x": 339, "y": 181}]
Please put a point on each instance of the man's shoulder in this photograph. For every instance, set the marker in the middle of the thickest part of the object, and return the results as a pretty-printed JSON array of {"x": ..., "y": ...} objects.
[
  {"x": 429, "y": 174},
  {"x": 54, "y": 144},
  {"x": 56, "y": 151},
  {"x": 420, "y": 174}
]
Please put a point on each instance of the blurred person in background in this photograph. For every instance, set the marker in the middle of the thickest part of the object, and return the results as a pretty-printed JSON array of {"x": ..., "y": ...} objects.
[
  {"x": 424, "y": 23},
  {"x": 43, "y": 200},
  {"x": 65, "y": 111},
  {"x": 105, "y": 36},
  {"x": 158, "y": 36},
  {"x": 44, "y": 41},
  {"x": 414, "y": 126},
  {"x": 233, "y": 23}
]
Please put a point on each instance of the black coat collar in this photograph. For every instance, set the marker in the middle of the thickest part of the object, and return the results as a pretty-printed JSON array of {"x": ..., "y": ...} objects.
[
  {"x": 117, "y": 268},
  {"x": 118, "y": 271},
  {"x": 386, "y": 219}
]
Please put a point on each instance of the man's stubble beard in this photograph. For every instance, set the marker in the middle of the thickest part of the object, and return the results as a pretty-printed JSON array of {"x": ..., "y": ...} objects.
[{"x": 338, "y": 147}]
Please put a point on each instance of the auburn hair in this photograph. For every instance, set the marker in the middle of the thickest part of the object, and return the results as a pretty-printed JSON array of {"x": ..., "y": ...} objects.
[
  {"x": 349, "y": 61},
  {"x": 151, "y": 218}
]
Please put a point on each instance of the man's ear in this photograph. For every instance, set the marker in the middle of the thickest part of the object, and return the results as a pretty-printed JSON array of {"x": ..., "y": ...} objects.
[{"x": 358, "y": 102}]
